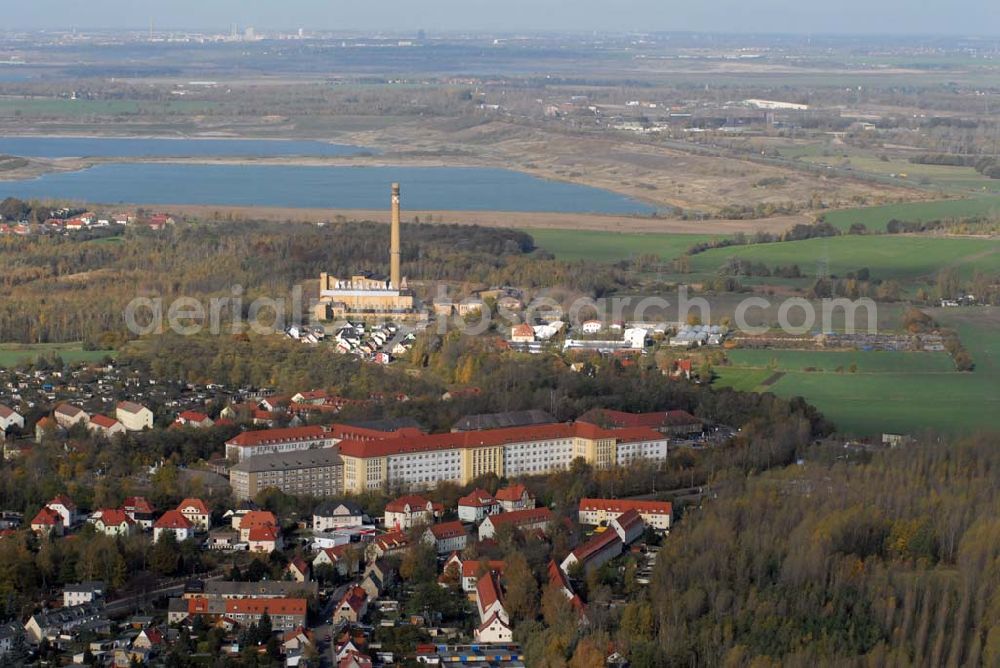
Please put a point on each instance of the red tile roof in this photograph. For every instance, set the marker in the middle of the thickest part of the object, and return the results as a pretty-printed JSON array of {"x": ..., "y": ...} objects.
[
  {"x": 447, "y": 530},
  {"x": 618, "y": 419},
  {"x": 113, "y": 517},
  {"x": 192, "y": 416},
  {"x": 622, "y": 505},
  {"x": 138, "y": 504},
  {"x": 471, "y": 439},
  {"x": 519, "y": 518},
  {"x": 47, "y": 517},
  {"x": 355, "y": 597},
  {"x": 596, "y": 544},
  {"x": 412, "y": 502},
  {"x": 512, "y": 492},
  {"x": 476, "y": 569},
  {"x": 286, "y": 435},
  {"x": 263, "y": 534},
  {"x": 103, "y": 421},
  {"x": 63, "y": 500},
  {"x": 193, "y": 506},
  {"x": 258, "y": 518},
  {"x": 172, "y": 519},
  {"x": 392, "y": 540},
  {"x": 488, "y": 591},
  {"x": 477, "y": 498},
  {"x": 252, "y": 606}
]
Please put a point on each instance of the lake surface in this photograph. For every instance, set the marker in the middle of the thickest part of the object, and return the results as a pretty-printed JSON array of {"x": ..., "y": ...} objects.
[
  {"x": 140, "y": 147},
  {"x": 424, "y": 188}
]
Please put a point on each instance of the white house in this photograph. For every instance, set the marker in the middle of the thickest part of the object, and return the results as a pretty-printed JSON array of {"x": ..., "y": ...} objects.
[
  {"x": 173, "y": 522},
  {"x": 446, "y": 537},
  {"x": 84, "y": 592},
  {"x": 135, "y": 417},
  {"x": 65, "y": 508},
  {"x": 113, "y": 522},
  {"x": 196, "y": 512},
  {"x": 67, "y": 415},
  {"x": 101, "y": 424},
  {"x": 408, "y": 511},
  {"x": 330, "y": 515},
  {"x": 477, "y": 505},
  {"x": 10, "y": 419}
]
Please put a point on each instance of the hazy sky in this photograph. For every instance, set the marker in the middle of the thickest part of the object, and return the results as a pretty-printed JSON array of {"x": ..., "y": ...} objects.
[{"x": 980, "y": 17}]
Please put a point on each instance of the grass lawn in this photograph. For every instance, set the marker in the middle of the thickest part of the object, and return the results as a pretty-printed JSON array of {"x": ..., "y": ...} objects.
[
  {"x": 891, "y": 392},
  {"x": 886, "y": 256},
  {"x": 866, "y": 362},
  {"x": 876, "y": 217},
  {"x": 14, "y": 353},
  {"x": 597, "y": 246}
]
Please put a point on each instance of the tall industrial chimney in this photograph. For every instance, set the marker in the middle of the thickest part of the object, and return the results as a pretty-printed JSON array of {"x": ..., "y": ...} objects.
[{"x": 394, "y": 272}]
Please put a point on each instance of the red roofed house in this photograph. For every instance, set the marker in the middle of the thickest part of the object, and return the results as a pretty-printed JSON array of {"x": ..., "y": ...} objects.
[
  {"x": 522, "y": 333},
  {"x": 285, "y": 613},
  {"x": 255, "y": 519},
  {"x": 352, "y": 607},
  {"x": 344, "y": 558},
  {"x": 473, "y": 570},
  {"x": 393, "y": 542},
  {"x": 494, "y": 620},
  {"x": 298, "y": 569},
  {"x": 193, "y": 419},
  {"x": 600, "y": 549},
  {"x": 558, "y": 579},
  {"x": 173, "y": 522},
  {"x": 140, "y": 510},
  {"x": 264, "y": 539},
  {"x": 525, "y": 520},
  {"x": 102, "y": 424},
  {"x": 148, "y": 638},
  {"x": 446, "y": 537},
  {"x": 674, "y": 422},
  {"x": 135, "y": 417},
  {"x": 515, "y": 497},
  {"x": 197, "y": 512},
  {"x": 408, "y": 511},
  {"x": 113, "y": 522},
  {"x": 47, "y": 522},
  {"x": 9, "y": 419},
  {"x": 66, "y": 509},
  {"x": 476, "y": 505},
  {"x": 657, "y": 514}
]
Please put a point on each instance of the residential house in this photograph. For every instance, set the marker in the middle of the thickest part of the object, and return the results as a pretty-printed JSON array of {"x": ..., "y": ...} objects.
[
  {"x": 173, "y": 522},
  {"x": 193, "y": 419},
  {"x": 477, "y": 505},
  {"x": 446, "y": 537},
  {"x": 522, "y": 333},
  {"x": 135, "y": 417},
  {"x": 409, "y": 511},
  {"x": 68, "y": 415},
  {"x": 657, "y": 514},
  {"x": 494, "y": 619},
  {"x": 112, "y": 522},
  {"x": 515, "y": 497},
  {"x": 11, "y": 635},
  {"x": 344, "y": 558},
  {"x": 285, "y": 613},
  {"x": 10, "y": 419},
  {"x": 606, "y": 545},
  {"x": 525, "y": 520},
  {"x": 140, "y": 511},
  {"x": 53, "y": 623},
  {"x": 197, "y": 513},
  {"x": 264, "y": 539},
  {"x": 352, "y": 607},
  {"x": 331, "y": 515},
  {"x": 298, "y": 569},
  {"x": 45, "y": 427},
  {"x": 85, "y": 592},
  {"x": 105, "y": 426},
  {"x": 389, "y": 543},
  {"x": 66, "y": 509},
  {"x": 148, "y": 638},
  {"x": 47, "y": 522},
  {"x": 255, "y": 519}
]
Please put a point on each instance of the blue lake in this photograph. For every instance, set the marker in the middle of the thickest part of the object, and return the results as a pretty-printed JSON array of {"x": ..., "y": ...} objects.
[
  {"x": 139, "y": 147},
  {"x": 424, "y": 188}
]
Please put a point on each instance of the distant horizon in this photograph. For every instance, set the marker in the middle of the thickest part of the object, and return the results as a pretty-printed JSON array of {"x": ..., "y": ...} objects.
[{"x": 792, "y": 17}]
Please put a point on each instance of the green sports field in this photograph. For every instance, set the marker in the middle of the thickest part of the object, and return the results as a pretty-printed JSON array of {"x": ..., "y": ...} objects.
[
  {"x": 886, "y": 256},
  {"x": 597, "y": 246},
  {"x": 12, "y": 354}
]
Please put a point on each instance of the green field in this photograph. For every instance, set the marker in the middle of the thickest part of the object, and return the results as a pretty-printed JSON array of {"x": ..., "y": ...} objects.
[
  {"x": 12, "y": 354},
  {"x": 890, "y": 392},
  {"x": 865, "y": 362},
  {"x": 887, "y": 256},
  {"x": 875, "y": 218},
  {"x": 599, "y": 246}
]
